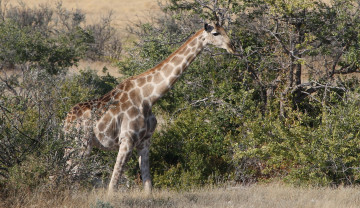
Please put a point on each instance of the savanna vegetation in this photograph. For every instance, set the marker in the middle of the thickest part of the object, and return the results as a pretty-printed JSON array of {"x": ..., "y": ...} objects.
[{"x": 284, "y": 107}]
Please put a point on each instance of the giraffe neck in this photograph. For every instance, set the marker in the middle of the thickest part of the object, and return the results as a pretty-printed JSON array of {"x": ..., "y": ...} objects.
[{"x": 161, "y": 78}]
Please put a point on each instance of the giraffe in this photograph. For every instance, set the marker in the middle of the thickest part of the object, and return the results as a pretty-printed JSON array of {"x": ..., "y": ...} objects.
[{"x": 122, "y": 119}]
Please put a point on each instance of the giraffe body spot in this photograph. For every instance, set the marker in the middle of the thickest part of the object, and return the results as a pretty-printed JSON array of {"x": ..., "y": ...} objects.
[
  {"x": 141, "y": 81},
  {"x": 115, "y": 109},
  {"x": 158, "y": 78},
  {"x": 133, "y": 112},
  {"x": 106, "y": 118},
  {"x": 176, "y": 60},
  {"x": 135, "y": 96},
  {"x": 128, "y": 86},
  {"x": 101, "y": 126},
  {"x": 101, "y": 136},
  {"x": 126, "y": 105},
  {"x": 149, "y": 78},
  {"x": 147, "y": 90},
  {"x": 124, "y": 98},
  {"x": 167, "y": 70}
]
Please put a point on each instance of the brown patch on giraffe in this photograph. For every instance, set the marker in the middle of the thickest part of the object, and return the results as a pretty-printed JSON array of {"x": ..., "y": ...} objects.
[
  {"x": 79, "y": 113},
  {"x": 176, "y": 60},
  {"x": 101, "y": 136},
  {"x": 106, "y": 118},
  {"x": 115, "y": 109},
  {"x": 147, "y": 90},
  {"x": 124, "y": 97},
  {"x": 158, "y": 78},
  {"x": 167, "y": 70},
  {"x": 87, "y": 114},
  {"x": 133, "y": 112},
  {"x": 101, "y": 126},
  {"x": 141, "y": 81},
  {"x": 135, "y": 97},
  {"x": 149, "y": 78},
  {"x": 128, "y": 85},
  {"x": 126, "y": 105}
]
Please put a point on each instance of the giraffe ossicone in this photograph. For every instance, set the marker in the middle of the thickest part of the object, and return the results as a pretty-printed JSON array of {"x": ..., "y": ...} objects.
[{"x": 122, "y": 119}]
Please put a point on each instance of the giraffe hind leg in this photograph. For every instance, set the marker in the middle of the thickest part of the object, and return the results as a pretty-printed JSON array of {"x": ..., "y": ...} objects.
[
  {"x": 123, "y": 156},
  {"x": 144, "y": 165}
]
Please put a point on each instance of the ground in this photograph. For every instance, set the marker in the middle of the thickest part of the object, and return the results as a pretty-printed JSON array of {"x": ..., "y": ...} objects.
[{"x": 257, "y": 196}]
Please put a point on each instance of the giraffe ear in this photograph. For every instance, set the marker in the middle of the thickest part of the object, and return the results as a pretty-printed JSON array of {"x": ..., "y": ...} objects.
[{"x": 208, "y": 28}]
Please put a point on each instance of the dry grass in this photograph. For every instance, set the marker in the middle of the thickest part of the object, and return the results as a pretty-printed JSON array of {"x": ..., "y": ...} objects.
[
  {"x": 98, "y": 66},
  {"x": 273, "y": 195},
  {"x": 125, "y": 11}
]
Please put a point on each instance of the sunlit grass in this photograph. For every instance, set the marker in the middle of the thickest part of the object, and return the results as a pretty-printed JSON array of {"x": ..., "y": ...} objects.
[{"x": 270, "y": 195}]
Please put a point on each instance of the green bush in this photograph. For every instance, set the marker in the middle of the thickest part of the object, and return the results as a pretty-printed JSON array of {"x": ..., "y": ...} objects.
[
  {"x": 303, "y": 154},
  {"x": 193, "y": 150}
]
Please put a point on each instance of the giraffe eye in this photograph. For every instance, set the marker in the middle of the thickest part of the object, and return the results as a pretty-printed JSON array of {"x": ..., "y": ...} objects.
[{"x": 216, "y": 34}]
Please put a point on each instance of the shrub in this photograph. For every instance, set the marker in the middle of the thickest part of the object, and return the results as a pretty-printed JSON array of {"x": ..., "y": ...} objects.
[{"x": 303, "y": 154}]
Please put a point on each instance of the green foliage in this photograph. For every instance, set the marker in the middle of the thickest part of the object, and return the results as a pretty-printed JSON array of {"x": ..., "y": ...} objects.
[
  {"x": 192, "y": 151},
  {"x": 324, "y": 154},
  {"x": 31, "y": 122},
  {"x": 23, "y": 45}
]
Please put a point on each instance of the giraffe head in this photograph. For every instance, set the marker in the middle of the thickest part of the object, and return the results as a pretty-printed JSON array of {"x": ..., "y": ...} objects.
[{"x": 217, "y": 36}]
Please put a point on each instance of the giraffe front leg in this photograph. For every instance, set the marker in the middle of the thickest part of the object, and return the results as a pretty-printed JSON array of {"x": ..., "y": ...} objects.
[
  {"x": 144, "y": 165},
  {"x": 123, "y": 156}
]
